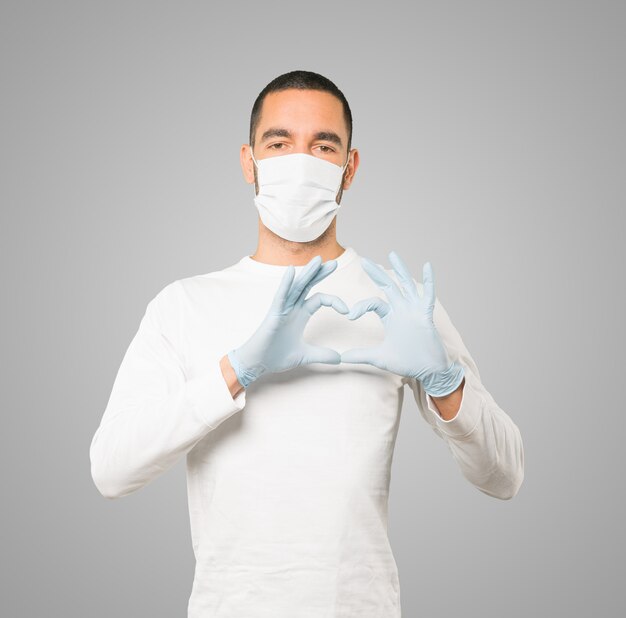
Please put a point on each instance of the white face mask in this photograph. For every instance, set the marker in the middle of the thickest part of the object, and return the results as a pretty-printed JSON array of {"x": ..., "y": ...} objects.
[{"x": 296, "y": 198}]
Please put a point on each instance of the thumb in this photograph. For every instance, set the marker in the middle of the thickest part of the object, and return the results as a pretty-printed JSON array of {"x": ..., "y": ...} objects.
[
  {"x": 318, "y": 354},
  {"x": 359, "y": 355}
]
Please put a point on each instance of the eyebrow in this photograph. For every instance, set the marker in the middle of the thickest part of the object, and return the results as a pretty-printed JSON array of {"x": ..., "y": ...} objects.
[
  {"x": 329, "y": 136},
  {"x": 275, "y": 132}
]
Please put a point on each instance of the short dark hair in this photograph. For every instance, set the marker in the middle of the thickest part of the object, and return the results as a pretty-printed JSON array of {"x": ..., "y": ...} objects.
[{"x": 301, "y": 80}]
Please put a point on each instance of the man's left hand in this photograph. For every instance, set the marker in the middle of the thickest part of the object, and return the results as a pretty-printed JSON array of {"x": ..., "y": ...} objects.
[{"x": 412, "y": 346}]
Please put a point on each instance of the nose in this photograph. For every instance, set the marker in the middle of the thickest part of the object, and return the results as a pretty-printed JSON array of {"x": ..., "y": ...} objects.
[{"x": 301, "y": 148}]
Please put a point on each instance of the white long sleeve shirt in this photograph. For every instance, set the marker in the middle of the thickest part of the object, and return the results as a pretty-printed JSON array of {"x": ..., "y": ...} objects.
[{"x": 288, "y": 481}]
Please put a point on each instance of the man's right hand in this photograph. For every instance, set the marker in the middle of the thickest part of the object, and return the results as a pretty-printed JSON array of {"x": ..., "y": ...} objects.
[{"x": 277, "y": 344}]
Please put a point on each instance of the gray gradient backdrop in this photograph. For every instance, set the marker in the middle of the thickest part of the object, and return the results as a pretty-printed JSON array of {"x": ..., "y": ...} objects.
[{"x": 492, "y": 140}]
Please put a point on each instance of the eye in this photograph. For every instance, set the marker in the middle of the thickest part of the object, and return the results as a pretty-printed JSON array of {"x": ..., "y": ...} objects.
[
  {"x": 326, "y": 149},
  {"x": 276, "y": 144}
]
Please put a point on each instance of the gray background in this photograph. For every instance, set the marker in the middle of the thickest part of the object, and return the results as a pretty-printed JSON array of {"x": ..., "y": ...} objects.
[{"x": 492, "y": 141}]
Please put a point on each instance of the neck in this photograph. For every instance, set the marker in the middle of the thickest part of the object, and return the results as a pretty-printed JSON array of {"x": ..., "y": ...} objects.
[{"x": 272, "y": 249}]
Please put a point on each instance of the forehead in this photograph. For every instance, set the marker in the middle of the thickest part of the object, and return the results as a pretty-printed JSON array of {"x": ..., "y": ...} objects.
[{"x": 302, "y": 111}]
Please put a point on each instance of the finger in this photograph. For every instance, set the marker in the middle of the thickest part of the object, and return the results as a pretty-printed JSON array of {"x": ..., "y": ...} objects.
[
  {"x": 360, "y": 355},
  {"x": 282, "y": 292},
  {"x": 308, "y": 272},
  {"x": 382, "y": 279},
  {"x": 325, "y": 270},
  {"x": 318, "y": 299},
  {"x": 318, "y": 354},
  {"x": 374, "y": 303},
  {"x": 406, "y": 279},
  {"x": 428, "y": 276}
]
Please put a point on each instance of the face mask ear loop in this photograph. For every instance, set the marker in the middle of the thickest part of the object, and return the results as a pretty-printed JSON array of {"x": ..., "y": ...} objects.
[
  {"x": 255, "y": 163},
  {"x": 343, "y": 169},
  {"x": 346, "y": 165}
]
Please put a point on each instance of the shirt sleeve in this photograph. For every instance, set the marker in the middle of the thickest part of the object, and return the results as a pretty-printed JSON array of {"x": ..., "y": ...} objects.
[
  {"x": 483, "y": 439},
  {"x": 155, "y": 414}
]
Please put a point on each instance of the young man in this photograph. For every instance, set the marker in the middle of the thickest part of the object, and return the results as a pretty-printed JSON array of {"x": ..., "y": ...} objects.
[{"x": 288, "y": 498}]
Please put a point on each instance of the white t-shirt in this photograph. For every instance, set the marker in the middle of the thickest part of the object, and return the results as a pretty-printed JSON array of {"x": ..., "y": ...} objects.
[{"x": 287, "y": 482}]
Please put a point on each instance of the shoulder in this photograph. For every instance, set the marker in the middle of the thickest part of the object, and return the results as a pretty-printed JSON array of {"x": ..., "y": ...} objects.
[
  {"x": 165, "y": 303},
  {"x": 196, "y": 292}
]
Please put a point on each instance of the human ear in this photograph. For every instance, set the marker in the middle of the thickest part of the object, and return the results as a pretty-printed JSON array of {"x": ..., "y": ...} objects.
[
  {"x": 351, "y": 169},
  {"x": 247, "y": 164}
]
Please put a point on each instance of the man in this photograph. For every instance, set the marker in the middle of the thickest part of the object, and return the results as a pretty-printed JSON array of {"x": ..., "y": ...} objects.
[{"x": 288, "y": 498}]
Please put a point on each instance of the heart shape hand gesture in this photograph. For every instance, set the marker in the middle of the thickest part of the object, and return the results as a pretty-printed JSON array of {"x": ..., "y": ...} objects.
[{"x": 412, "y": 347}]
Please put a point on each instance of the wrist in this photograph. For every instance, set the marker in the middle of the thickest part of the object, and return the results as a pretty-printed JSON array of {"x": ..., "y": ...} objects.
[
  {"x": 445, "y": 382},
  {"x": 230, "y": 376},
  {"x": 245, "y": 375}
]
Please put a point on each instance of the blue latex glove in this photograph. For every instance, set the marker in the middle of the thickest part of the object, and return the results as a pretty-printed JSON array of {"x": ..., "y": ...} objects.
[
  {"x": 277, "y": 344},
  {"x": 412, "y": 346}
]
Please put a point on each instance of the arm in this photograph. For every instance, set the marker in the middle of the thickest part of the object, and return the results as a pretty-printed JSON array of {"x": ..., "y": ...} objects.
[
  {"x": 155, "y": 414},
  {"x": 483, "y": 439},
  {"x": 448, "y": 405},
  {"x": 233, "y": 384}
]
